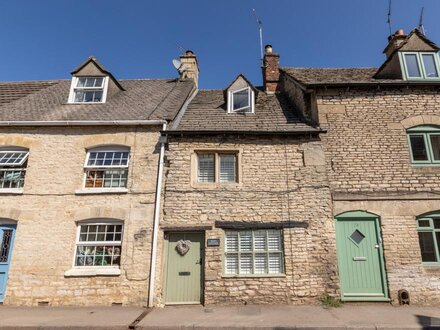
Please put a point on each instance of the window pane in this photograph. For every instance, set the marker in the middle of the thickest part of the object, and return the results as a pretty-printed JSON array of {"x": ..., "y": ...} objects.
[
  {"x": 240, "y": 99},
  {"x": 436, "y": 223},
  {"x": 426, "y": 241},
  {"x": 424, "y": 223},
  {"x": 418, "y": 147},
  {"x": 246, "y": 264},
  {"x": 429, "y": 64},
  {"x": 260, "y": 240},
  {"x": 81, "y": 82},
  {"x": 245, "y": 241},
  {"x": 274, "y": 240},
  {"x": 231, "y": 243},
  {"x": 12, "y": 158},
  {"x": 435, "y": 145},
  {"x": 260, "y": 263},
  {"x": 206, "y": 168},
  {"x": 231, "y": 264},
  {"x": 98, "y": 82},
  {"x": 90, "y": 82},
  {"x": 79, "y": 97},
  {"x": 97, "y": 96},
  {"x": 412, "y": 65},
  {"x": 275, "y": 263},
  {"x": 227, "y": 168}
]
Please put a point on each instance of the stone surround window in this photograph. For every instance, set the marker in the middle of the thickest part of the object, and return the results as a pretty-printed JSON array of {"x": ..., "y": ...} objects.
[
  {"x": 98, "y": 244},
  {"x": 428, "y": 228},
  {"x": 424, "y": 143},
  {"x": 216, "y": 167},
  {"x": 107, "y": 168},
  {"x": 88, "y": 90},
  {"x": 253, "y": 252},
  {"x": 419, "y": 65},
  {"x": 13, "y": 163}
]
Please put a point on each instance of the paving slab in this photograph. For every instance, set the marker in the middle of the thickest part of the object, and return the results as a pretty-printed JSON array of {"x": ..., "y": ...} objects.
[
  {"x": 359, "y": 317},
  {"x": 111, "y": 318}
]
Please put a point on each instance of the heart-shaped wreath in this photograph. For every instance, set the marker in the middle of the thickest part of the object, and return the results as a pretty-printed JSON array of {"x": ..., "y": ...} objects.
[{"x": 182, "y": 247}]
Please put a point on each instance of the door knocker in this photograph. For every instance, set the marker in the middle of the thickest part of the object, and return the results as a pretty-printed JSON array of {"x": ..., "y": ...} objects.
[{"x": 182, "y": 247}]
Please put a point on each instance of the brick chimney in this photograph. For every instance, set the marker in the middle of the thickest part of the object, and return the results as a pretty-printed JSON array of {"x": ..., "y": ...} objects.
[
  {"x": 190, "y": 67},
  {"x": 394, "y": 41},
  {"x": 271, "y": 70}
]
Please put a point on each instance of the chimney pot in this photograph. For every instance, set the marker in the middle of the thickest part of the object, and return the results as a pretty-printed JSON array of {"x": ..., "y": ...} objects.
[
  {"x": 189, "y": 52},
  {"x": 399, "y": 32}
]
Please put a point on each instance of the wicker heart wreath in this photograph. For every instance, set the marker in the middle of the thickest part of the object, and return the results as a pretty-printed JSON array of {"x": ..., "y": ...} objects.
[{"x": 182, "y": 246}]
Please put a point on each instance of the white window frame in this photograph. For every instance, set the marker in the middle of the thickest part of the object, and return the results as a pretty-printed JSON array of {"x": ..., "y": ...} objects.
[
  {"x": 251, "y": 96},
  {"x": 97, "y": 168},
  {"x": 18, "y": 167},
  {"x": 253, "y": 252},
  {"x": 419, "y": 56},
  {"x": 73, "y": 88},
  {"x": 97, "y": 222}
]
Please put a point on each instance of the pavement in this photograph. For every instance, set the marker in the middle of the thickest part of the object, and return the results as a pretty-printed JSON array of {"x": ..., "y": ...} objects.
[{"x": 349, "y": 316}]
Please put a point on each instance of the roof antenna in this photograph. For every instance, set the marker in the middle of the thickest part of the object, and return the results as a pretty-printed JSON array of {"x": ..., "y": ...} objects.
[
  {"x": 421, "y": 28},
  {"x": 260, "y": 29},
  {"x": 389, "y": 17}
]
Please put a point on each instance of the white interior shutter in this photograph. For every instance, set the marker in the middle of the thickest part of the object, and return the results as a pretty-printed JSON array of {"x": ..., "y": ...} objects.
[
  {"x": 246, "y": 241},
  {"x": 227, "y": 168},
  {"x": 260, "y": 240},
  {"x": 231, "y": 243},
  {"x": 260, "y": 263},
  {"x": 231, "y": 264},
  {"x": 206, "y": 168},
  {"x": 245, "y": 263},
  {"x": 274, "y": 240},
  {"x": 275, "y": 263}
]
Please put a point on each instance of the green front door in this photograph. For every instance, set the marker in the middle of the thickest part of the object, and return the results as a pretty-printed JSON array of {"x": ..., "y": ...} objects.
[
  {"x": 360, "y": 257},
  {"x": 183, "y": 276}
]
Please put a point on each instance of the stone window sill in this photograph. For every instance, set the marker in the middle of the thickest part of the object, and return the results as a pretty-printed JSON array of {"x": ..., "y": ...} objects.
[
  {"x": 256, "y": 276},
  {"x": 86, "y": 191},
  {"x": 93, "y": 271},
  {"x": 13, "y": 191}
]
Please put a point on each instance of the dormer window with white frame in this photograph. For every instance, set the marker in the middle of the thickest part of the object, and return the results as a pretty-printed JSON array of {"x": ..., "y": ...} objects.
[
  {"x": 88, "y": 90},
  {"x": 241, "y": 100},
  {"x": 420, "y": 65}
]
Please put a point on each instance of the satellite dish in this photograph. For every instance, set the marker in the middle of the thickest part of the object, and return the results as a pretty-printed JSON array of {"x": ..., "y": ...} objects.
[{"x": 179, "y": 66}]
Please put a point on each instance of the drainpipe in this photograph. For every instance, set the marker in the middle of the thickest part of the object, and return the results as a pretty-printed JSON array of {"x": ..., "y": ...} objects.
[{"x": 156, "y": 219}]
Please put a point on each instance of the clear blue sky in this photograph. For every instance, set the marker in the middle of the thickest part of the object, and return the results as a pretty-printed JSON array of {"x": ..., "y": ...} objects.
[{"x": 45, "y": 39}]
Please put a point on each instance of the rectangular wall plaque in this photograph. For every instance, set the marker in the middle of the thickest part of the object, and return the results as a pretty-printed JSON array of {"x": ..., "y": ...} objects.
[{"x": 213, "y": 241}]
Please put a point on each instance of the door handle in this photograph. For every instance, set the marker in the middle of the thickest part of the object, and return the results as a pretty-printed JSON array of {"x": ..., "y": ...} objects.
[
  {"x": 199, "y": 262},
  {"x": 377, "y": 246}
]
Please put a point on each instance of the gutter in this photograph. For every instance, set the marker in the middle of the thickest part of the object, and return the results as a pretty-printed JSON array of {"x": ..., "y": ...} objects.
[
  {"x": 156, "y": 219},
  {"x": 224, "y": 132},
  {"x": 83, "y": 123}
]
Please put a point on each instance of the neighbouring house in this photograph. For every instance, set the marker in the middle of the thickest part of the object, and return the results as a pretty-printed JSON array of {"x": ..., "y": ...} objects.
[
  {"x": 247, "y": 203},
  {"x": 79, "y": 164},
  {"x": 382, "y": 147}
]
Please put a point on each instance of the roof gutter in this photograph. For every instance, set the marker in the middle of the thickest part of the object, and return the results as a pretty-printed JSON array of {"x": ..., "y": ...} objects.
[
  {"x": 213, "y": 132},
  {"x": 84, "y": 123}
]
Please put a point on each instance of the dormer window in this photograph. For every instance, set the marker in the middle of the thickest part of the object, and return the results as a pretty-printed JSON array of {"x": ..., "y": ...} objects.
[
  {"x": 419, "y": 65},
  {"x": 88, "y": 90},
  {"x": 241, "y": 100}
]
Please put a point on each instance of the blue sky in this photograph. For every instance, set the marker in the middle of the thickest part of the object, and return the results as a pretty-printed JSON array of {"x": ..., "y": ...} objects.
[{"x": 45, "y": 39}]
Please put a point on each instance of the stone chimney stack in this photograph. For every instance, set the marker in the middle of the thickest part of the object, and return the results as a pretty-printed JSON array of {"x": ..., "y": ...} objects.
[
  {"x": 394, "y": 41},
  {"x": 190, "y": 67},
  {"x": 271, "y": 70}
]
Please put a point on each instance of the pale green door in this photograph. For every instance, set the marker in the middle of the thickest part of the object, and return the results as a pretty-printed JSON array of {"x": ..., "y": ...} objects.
[
  {"x": 360, "y": 257},
  {"x": 183, "y": 278}
]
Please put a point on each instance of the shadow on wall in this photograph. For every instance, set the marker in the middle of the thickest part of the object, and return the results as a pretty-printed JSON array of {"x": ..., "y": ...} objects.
[{"x": 429, "y": 321}]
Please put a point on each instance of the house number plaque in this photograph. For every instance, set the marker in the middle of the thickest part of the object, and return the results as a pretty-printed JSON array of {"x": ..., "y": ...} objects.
[{"x": 213, "y": 242}]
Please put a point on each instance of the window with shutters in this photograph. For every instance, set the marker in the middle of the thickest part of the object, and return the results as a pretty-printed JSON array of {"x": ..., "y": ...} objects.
[
  {"x": 217, "y": 167},
  {"x": 253, "y": 252}
]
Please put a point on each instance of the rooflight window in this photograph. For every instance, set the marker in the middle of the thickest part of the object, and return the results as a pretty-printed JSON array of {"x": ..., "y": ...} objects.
[
  {"x": 241, "y": 100},
  {"x": 88, "y": 90},
  {"x": 421, "y": 65}
]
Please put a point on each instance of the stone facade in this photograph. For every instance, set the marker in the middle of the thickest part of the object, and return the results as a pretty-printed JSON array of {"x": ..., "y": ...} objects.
[
  {"x": 280, "y": 180},
  {"x": 47, "y": 213},
  {"x": 369, "y": 169}
]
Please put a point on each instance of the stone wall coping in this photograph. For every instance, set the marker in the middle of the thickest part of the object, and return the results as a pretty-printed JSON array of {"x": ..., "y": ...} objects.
[
  {"x": 101, "y": 191},
  {"x": 93, "y": 271}
]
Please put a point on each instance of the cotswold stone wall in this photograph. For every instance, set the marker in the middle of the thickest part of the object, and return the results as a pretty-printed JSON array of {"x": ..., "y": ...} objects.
[
  {"x": 369, "y": 167},
  {"x": 47, "y": 212},
  {"x": 280, "y": 180}
]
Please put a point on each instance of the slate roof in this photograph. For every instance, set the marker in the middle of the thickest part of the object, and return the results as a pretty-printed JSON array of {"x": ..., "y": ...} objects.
[
  {"x": 143, "y": 99},
  {"x": 338, "y": 76},
  {"x": 207, "y": 112}
]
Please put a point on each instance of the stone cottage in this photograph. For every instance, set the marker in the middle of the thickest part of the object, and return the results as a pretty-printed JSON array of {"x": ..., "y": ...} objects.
[
  {"x": 247, "y": 203},
  {"x": 79, "y": 163},
  {"x": 382, "y": 148}
]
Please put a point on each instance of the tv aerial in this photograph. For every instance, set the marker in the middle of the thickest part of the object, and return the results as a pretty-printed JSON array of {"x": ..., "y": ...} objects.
[{"x": 180, "y": 67}]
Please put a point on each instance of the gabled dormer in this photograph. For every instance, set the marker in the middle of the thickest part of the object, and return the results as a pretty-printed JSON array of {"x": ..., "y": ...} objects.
[
  {"x": 92, "y": 83},
  {"x": 240, "y": 96},
  {"x": 410, "y": 57}
]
